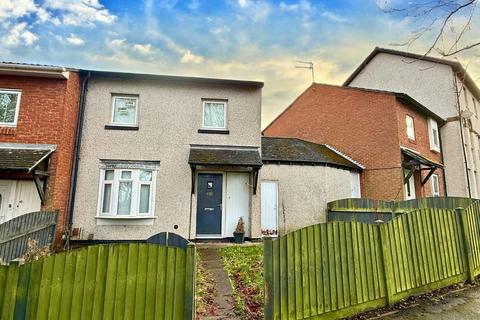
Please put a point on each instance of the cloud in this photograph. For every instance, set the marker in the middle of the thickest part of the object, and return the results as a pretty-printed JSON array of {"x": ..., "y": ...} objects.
[
  {"x": 16, "y": 8},
  {"x": 194, "y": 4},
  {"x": 288, "y": 7},
  {"x": 74, "y": 40},
  {"x": 81, "y": 12},
  {"x": 19, "y": 34},
  {"x": 189, "y": 57},
  {"x": 143, "y": 48},
  {"x": 332, "y": 16},
  {"x": 243, "y": 3}
]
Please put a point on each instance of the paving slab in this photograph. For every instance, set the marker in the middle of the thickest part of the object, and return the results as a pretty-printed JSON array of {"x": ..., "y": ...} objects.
[
  {"x": 213, "y": 262},
  {"x": 458, "y": 305}
]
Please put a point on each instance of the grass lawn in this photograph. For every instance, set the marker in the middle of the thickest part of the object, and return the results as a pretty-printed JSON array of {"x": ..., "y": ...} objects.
[{"x": 244, "y": 265}]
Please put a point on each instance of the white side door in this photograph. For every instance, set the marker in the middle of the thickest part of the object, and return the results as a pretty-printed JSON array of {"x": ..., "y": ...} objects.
[
  {"x": 238, "y": 202},
  {"x": 409, "y": 186},
  {"x": 269, "y": 194},
  {"x": 6, "y": 199},
  {"x": 26, "y": 198}
]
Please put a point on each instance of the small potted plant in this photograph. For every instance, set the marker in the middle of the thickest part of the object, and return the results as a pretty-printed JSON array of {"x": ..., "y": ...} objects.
[{"x": 239, "y": 233}]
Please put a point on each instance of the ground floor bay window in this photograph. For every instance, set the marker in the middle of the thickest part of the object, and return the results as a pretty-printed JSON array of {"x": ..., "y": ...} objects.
[{"x": 126, "y": 191}]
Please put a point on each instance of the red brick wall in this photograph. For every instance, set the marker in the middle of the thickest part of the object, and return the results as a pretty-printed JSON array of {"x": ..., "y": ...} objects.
[
  {"x": 362, "y": 124},
  {"x": 48, "y": 114},
  {"x": 421, "y": 144}
]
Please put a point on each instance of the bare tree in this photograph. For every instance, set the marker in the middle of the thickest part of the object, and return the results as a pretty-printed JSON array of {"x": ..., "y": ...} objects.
[{"x": 448, "y": 21}]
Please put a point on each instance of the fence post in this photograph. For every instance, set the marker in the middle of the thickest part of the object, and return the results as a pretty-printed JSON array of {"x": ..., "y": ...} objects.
[
  {"x": 387, "y": 263},
  {"x": 468, "y": 257},
  {"x": 190, "y": 282},
  {"x": 268, "y": 276}
]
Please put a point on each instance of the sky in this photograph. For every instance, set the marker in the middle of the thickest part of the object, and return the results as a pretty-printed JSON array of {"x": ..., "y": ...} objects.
[{"x": 238, "y": 39}]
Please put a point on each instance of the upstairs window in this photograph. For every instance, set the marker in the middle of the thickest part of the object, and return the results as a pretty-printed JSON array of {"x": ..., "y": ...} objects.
[
  {"x": 9, "y": 105},
  {"x": 435, "y": 186},
  {"x": 214, "y": 115},
  {"x": 433, "y": 135},
  {"x": 410, "y": 127},
  {"x": 124, "y": 110}
]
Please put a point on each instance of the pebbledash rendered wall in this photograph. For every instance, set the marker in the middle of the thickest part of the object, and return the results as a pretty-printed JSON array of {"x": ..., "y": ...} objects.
[
  {"x": 304, "y": 192},
  {"x": 170, "y": 114},
  {"x": 433, "y": 85}
]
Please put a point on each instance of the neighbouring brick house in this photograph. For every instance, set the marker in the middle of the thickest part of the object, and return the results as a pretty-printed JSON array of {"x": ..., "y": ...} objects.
[
  {"x": 444, "y": 87},
  {"x": 392, "y": 135},
  {"x": 38, "y": 121}
]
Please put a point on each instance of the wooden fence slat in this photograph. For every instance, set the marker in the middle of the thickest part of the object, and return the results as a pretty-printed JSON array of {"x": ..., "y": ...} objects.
[
  {"x": 179, "y": 286},
  {"x": 276, "y": 280},
  {"x": 140, "y": 290},
  {"x": 34, "y": 288},
  {"x": 100, "y": 283},
  {"x": 268, "y": 276},
  {"x": 22, "y": 293},
  {"x": 161, "y": 282},
  {"x": 282, "y": 277},
  {"x": 8, "y": 307},
  {"x": 45, "y": 287},
  {"x": 89, "y": 283},
  {"x": 311, "y": 271},
  {"x": 170, "y": 282},
  {"x": 290, "y": 275},
  {"x": 151, "y": 276},
  {"x": 56, "y": 286},
  {"x": 298, "y": 276},
  {"x": 467, "y": 244},
  {"x": 110, "y": 283},
  {"x": 130, "y": 291}
]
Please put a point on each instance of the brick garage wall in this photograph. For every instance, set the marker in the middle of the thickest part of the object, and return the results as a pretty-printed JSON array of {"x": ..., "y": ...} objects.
[
  {"x": 421, "y": 144},
  {"x": 48, "y": 115},
  {"x": 362, "y": 124}
]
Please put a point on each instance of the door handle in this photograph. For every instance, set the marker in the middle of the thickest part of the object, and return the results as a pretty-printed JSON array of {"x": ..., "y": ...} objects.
[{"x": 208, "y": 209}]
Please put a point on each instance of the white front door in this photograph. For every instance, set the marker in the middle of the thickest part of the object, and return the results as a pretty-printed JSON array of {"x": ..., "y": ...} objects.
[
  {"x": 409, "y": 186},
  {"x": 6, "y": 200},
  {"x": 269, "y": 194},
  {"x": 238, "y": 202},
  {"x": 26, "y": 198},
  {"x": 17, "y": 197}
]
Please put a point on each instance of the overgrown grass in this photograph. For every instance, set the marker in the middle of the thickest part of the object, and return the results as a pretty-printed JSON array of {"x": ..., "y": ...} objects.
[
  {"x": 205, "y": 291},
  {"x": 244, "y": 265}
]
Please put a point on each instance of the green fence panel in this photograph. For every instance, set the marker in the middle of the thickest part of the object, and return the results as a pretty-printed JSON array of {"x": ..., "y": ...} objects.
[
  {"x": 128, "y": 281},
  {"x": 340, "y": 268}
]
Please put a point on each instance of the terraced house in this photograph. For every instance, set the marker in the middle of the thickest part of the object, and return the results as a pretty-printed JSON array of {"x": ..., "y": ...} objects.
[
  {"x": 38, "y": 119},
  {"x": 444, "y": 87},
  {"x": 184, "y": 155}
]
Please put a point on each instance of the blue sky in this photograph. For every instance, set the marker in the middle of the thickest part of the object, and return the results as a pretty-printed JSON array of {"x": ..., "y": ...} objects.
[{"x": 246, "y": 39}]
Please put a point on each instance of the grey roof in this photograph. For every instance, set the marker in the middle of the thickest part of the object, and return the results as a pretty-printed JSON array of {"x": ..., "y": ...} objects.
[
  {"x": 22, "y": 159},
  {"x": 297, "y": 151},
  {"x": 210, "y": 155},
  {"x": 171, "y": 78},
  {"x": 421, "y": 159},
  {"x": 455, "y": 65}
]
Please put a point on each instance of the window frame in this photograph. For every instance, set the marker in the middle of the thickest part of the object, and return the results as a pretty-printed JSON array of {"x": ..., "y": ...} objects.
[
  {"x": 17, "y": 107},
  {"x": 112, "y": 116},
  {"x": 432, "y": 124},
  {"x": 136, "y": 189},
  {"x": 434, "y": 178},
  {"x": 225, "y": 107},
  {"x": 407, "y": 117}
]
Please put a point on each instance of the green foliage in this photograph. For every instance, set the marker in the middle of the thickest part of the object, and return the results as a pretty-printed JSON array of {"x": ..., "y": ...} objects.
[{"x": 244, "y": 265}]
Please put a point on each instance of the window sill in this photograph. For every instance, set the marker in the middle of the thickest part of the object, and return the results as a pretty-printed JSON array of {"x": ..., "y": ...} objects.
[
  {"x": 125, "y": 217},
  {"x": 214, "y": 131},
  {"x": 118, "y": 127},
  {"x": 124, "y": 221}
]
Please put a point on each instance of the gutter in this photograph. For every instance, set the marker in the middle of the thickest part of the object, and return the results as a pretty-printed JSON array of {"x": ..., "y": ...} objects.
[{"x": 76, "y": 157}]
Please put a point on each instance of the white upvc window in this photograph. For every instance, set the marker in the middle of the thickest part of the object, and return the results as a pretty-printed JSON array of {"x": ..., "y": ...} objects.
[
  {"x": 124, "y": 110},
  {"x": 410, "y": 127},
  {"x": 9, "y": 107},
  {"x": 433, "y": 135},
  {"x": 126, "y": 193},
  {"x": 435, "y": 185},
  {"x": 214, "y": 115},
  {"x": 409, "y": 186}
]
